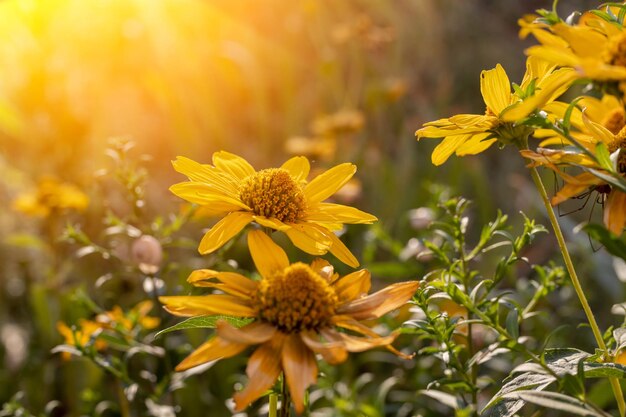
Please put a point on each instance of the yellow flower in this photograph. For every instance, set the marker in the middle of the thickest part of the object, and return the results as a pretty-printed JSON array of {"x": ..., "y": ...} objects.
[
  {"x": 276, "y": 198},
  {"x": 594, "y": 47},
  {"x": 51, "y": 196},
  {"x": 296, "y": 308},
  {"x": 556, "y": 159},
  {"x": 138, "y": 315},
  {"x": 469, "y": 134},
  {"x": 88, "y": 331}
]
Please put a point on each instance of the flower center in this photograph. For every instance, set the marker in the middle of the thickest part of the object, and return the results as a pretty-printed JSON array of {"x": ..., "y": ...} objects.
[
  {"x": 295, "y": 299},
  {"x": 273, "y": 193},
  {"x": 616, "y": 51},
  {"x": 614, "y": 121}
]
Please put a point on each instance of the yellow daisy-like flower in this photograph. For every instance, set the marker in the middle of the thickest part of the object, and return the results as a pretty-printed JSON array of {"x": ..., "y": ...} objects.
[
  {"x": 296, "y": 308},
  {"x": 556, "y": 159},
  {"x": 277, "y": 198},
  {"x": 594, "y": 47},
  {"x": 87, "y": 331},
  {"x": 137, "y": 316},
  {"x": 51, "y": 195},
  {"x": 469, "y": 134}
]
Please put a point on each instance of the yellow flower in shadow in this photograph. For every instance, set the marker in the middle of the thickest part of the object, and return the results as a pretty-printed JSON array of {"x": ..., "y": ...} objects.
[
  {"x": 86, "y": 333},
  {"x": 299, "y": 310},
  {"x": 470, "y": 134},
  {"x": 128, "y": 321},
  {"x": 277, "y": 198},
  {"x": 51, "y": 196}
]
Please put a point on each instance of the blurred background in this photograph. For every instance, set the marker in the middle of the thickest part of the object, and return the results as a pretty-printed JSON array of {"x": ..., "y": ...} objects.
[{"x": 335, "y": 81}]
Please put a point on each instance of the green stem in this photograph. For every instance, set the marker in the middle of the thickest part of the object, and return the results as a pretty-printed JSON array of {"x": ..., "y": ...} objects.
[
  {"x": 273, "y": 405},
  {"x": 617, "y": 389},
  {"x": 285, "y": 404}
]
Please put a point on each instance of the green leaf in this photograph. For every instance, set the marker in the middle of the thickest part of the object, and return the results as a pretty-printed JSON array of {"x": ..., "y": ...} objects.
[
  {"x": 512, "y": 323},
  {"x": 442, "y": 397},
  {"x": 615, "y": 245},
  {"x": 554, "y": 400},
  {"x": 204, "y": 322},
  {"x": 616, "y": 181}
]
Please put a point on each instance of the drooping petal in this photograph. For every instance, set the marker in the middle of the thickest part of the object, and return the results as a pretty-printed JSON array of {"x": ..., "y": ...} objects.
[
  {"x": 223, "y": 231},
  {"x": 214, "y": 349},
  {"x": 495, "y": 88},
  {"x": 337, "y": 213},
  {"x": 476, "y": 144},
  {"x": 332, "y": 352},
  {"x": 268, "y": 257},
  {"x": 300, "y": 369},
  {"x": 447, "y": 147},
  {"x": 298, "y": 167},
  {"x": 229, "y": 282},
  {"x": 324, "y": 269},
  {"x": 309, "y": 239},
  {"x": 375, "y": 305},
  {"x": 233, "y": 164},
  {"x": 358, "y": 344},
  {"x": 341, "y": 251},
  {"x": 207, "y": 305},
  {"x": 352, "y": 286},
  {"x": 251, "y": 334},
  {"x": 351, "y": 324},
  {"x": 329, "y": 182},
  {"x": 263, "y": 368},
  {"x": 615, "y": 212}
]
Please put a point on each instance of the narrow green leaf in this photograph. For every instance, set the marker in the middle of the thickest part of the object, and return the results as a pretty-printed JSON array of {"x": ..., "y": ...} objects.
[
  {"x": 556, "y": 401},
  {"x": 204, "y": 322}
]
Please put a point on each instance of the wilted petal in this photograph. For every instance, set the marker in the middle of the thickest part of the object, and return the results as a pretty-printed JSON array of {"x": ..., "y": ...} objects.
[
  {"x": 216, "y": 348},
  {"x": 375, "y": 305},
  {"x": 333, "y": 352},
  {"x": 251, "y": 334},
  {"x": 300, "y": 369},
  {"x": 615, "y": 212},
  {"x": 353, "y": 286}
]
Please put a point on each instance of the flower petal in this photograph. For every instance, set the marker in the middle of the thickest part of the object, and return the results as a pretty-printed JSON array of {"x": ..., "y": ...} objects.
[
  {"x": 229, "y": 282},
  {"x": 496, "y": 89},
  {"x": 615, "y": 212},
  {"x": 375, "y": 305},
  {"x": 267, "y": 255},
  {"x": 207, "y": 174},
  {"x": 341, "y": 251},
  {"x": 327, "y": 183},
  {"x": 206, "y": 194},
  {"x": 206, "y": 305},
  {"x": 332, "y": 352},
  {"x": 352, "y": 286},
  {"x": 223, "y": 231},
  {"x": 214, "y": 349},
  {"x": 298, "y": 167},
  {"x": 233, "y": 164},
  {"x": 358, "y": 344},
  {"x": 271, "y": 223},
  {"x": 337, "y": 213},
  {"x": 251, "y": 334},
  {"x": 475, "y": 145},
  {"x": 309, "y": 239},
  {"x": 300, "y": 369},
  {"x": 263, "y": 368},
  {"x": 324, "y": 269},
  {"x": 447, "y": 147}
]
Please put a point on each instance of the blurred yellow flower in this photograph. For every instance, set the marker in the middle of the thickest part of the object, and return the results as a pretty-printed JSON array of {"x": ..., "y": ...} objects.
[
  {"x": 51, "y": 196},
  {"x": 137, "y": 316},
  {"x": 276, "y": 198},
  {"x": 341, "y": 122},
  {"x": 86, "y": 333},
  {"x": 594, "y": 47},
  {"x": 315, "y": 147},
  {"x": 469, "y": 134},
  {"x": 296, "y": 309}
]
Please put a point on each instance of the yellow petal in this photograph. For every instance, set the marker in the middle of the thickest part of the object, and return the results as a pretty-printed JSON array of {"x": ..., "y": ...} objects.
[
  {"x": 337, "y": 213},
  {"x": 309, "y": 239},
  {"x": 353, "y": 286},
  {"x": 263, "y": 368},
  {"x": 223, "y": 231},
  {"x": 351, "y": 324},
  {"x": 207, "y": 305},
  {"x": 298, "y": 167},
  {"x": 206, "y": 194},
  {"x": 447, "y": 147},
  {"x": 475, "y": 145},
  {"x": 214, "y": 349},
  {"x": 324, "y": 269},
  {"x": 327, "y": 183},
  {"x": 598, "y": 131},
  {"x": 554, "y": 54},
  {"x": 496, "y": 89},
  {"x": 585, "y": 42},
  {"x": 268, "y": 257},
  {"x": 358, "y": 344},
  {"x": 300, "y": 369},
  {"x": 206, "y": 174},
  {"x": 340, "y": 251},
  {"x": 375, "y": 305},
  {"x": 251, "y": 334},
  {"x": 229, "y": 282},
  {"x": 332, "y": 352},
  {"x": 233, "y": 164},
  {"x": 615, "y": 212},
  {"x": 271, "y": 223}
]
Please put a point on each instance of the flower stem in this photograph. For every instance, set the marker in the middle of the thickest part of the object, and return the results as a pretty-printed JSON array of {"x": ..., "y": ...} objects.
[
  {"x": 285, "y": 403},
  {"x": 273, "y": 405},
  {"x": 617, "y": 389}
]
